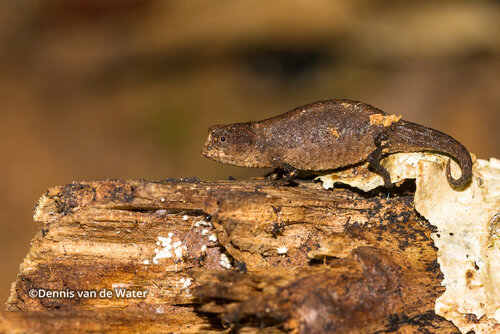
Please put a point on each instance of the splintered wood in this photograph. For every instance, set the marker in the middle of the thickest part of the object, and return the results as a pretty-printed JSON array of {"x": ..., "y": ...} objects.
[{"x": 253, "y": 256}]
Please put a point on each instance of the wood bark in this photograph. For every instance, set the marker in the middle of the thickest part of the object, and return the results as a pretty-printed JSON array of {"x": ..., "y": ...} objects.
[{"x": 247, "y": 256}]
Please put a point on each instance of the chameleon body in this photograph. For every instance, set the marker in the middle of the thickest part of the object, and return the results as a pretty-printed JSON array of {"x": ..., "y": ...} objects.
[{"x": 326, "y": 135}]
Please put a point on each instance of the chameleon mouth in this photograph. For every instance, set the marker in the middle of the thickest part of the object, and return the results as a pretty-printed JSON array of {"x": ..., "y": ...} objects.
[
  {"x": 216, "y": 154},
  {"x": 211, "y": 152},
  {"x": 208, "y": 152}
]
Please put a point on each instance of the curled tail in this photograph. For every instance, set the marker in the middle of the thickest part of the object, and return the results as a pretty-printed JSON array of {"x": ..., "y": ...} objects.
[
  {"x": 413, "y": 137},
  {"x": 465, "y": 162}
]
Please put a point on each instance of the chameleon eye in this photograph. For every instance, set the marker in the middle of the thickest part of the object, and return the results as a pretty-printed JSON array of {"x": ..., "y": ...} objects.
[{"x": 222, "y": 139}]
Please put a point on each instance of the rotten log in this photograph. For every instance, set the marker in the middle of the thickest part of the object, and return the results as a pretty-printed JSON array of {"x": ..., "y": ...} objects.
[{"x": 250, "y": 256}]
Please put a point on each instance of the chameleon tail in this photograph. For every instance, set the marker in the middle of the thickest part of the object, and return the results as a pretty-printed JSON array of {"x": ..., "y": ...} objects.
[
  {"x": 414, "y": 137},
  {"x": 465, "y": 166}
]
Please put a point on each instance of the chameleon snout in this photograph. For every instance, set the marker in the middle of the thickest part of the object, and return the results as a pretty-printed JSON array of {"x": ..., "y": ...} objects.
[{"x": 209, "y": 151}]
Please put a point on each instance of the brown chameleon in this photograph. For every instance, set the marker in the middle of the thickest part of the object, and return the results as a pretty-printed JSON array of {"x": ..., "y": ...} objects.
[{"x": 327, "y": 135}]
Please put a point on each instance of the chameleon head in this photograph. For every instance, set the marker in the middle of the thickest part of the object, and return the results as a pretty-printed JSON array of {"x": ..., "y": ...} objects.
[{"x": 233, "y": 144}]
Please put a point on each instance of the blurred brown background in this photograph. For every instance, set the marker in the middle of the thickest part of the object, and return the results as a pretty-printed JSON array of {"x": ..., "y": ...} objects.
[{"x": 94, "y": 89}]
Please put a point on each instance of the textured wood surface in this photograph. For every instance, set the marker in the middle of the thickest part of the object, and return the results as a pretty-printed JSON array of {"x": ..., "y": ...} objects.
[{"x": 299, "y": 259}]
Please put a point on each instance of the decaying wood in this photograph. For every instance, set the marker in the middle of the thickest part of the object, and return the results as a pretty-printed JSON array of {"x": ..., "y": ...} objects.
[{"x": 302, "y": 259}]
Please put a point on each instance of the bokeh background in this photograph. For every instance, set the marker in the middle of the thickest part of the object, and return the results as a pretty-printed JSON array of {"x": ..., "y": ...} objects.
[{"x": 93, "y": 89}]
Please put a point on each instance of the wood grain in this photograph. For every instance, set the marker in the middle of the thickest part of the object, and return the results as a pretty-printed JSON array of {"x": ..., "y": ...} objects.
[{"x": 348, "y": 262}]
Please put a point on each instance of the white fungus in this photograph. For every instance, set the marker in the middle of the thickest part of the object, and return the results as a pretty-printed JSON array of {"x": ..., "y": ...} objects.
[
  {"x": 202, "y": 223},
  {"x": 186, "y": 282},
  {"x": 179, "y": 251},
  {"x": 224, "y": 261},
  {"x": 169, "y": 249},
  {"x": 161, "y": 212},
  {"x": 282, "y": 250}
]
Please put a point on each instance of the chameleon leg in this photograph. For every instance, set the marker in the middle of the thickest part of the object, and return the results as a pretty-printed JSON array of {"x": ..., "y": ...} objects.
[
  {"x": 374, "y": 161},
  {"x": 290, "y": 172},
  {"x": 283, "y": 173},
  {"x": 287, "y": 171}
]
